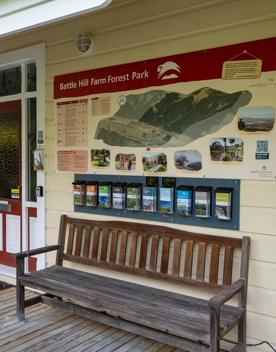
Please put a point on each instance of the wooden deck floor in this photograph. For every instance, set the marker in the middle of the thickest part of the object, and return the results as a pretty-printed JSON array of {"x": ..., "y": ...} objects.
[{"x": 50, "y": 329}]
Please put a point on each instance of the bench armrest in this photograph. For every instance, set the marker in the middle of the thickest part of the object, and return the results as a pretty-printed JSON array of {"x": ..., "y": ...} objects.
[
  {"x": 227, "y": 293},
  {"x": 36, "y": 251}
]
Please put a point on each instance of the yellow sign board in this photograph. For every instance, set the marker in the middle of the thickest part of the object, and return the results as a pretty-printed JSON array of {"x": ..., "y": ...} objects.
[{"x": 242, "y": 69}]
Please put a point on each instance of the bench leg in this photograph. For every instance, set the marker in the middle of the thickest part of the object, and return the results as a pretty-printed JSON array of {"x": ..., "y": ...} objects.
[
  {"x": 20, "y": 302},
  {"x": 214, "y": 330},
  {"x": 242, "y": 334},
  {"x": 20, "y": 290}
]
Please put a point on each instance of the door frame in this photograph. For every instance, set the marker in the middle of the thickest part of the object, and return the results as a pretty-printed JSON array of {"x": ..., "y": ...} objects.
[{"x": 22, "y": 56}]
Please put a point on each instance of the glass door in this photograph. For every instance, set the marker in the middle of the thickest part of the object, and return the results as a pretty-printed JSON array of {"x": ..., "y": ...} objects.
[
  {"x": 22, "y": 109},
  {"x": 10, "y": 181}
]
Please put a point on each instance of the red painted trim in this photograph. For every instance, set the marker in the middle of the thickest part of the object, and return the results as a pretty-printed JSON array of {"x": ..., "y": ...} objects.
[
  {"x": 7, "y": 259},
  {"x": 32, "y": 212},
  {"x": 194, "y": 66},
  {"x": 11, "y": 106}
]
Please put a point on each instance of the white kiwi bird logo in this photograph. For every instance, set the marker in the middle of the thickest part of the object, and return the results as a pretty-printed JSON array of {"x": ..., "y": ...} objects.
[{"x": 165, "y": 71}]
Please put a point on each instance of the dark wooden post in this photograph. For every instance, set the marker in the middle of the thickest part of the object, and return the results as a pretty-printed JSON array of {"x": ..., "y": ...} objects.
[
  {"x": 61, "y": 240},
  {"x": 20, "y": 290},
  {"x": 214, "y": 329},
  {"x": 243, "y": 294}
]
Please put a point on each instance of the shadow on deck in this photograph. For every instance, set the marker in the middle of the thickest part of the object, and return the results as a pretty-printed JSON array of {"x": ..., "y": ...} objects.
[{"x": 50, "y": 329}]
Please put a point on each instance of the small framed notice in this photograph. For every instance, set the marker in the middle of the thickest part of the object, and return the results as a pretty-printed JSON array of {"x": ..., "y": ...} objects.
[
  {"x": 242, "y": 69},
  {"x": 72, "y": 160}
]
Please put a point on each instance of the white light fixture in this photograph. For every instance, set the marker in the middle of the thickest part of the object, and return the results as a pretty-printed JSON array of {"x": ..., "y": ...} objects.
[{"x": 84, "y": 43}]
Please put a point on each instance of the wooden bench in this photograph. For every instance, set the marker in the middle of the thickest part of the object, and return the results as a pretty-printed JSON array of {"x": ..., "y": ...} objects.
[{"x": 157, "y": 252}]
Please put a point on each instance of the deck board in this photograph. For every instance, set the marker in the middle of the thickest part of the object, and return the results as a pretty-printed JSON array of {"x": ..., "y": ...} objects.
[{"x": 48, "y": 329}]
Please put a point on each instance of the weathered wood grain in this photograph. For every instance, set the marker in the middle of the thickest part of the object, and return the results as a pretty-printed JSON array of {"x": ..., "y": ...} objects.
[
  {"x": 48, "y": 329},
  {"x": 228, "y": 265},
  {"x": 188, "y": 266},
  {"x": 176, "y": 256},
  {"x": 201, "y": 258},
  {"x": 70, "y": 241},
  {"x": 178, "y": 320},
  {"x": 214, "y": 265}
]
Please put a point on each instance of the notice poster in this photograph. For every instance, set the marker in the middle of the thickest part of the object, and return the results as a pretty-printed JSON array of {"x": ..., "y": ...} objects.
[
  {"x": 101, "y": 105},
  {"x": 242, "y": 69},
  {"x": 72, "y": 123},
  {"x": 198, "y": 114},
  {"x": 72, "y": 160}
]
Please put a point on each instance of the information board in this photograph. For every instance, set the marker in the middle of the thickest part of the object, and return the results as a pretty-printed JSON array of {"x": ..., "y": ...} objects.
[{"x": 208, "y": 113}]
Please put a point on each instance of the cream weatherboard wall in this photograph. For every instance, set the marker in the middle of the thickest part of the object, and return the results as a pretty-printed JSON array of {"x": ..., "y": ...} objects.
[{"x": 133, "y": 30}]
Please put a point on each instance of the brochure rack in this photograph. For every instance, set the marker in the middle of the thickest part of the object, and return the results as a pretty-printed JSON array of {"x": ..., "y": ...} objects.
[{"x": 177, "y": 183}]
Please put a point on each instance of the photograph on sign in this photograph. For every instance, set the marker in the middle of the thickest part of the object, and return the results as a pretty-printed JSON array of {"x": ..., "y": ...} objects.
[
  {"x": 189, "y": 160},
  {"x": 226, "y": 149},
  {"x": 256, "y": 119},
  {"x": 100, "y": 158},
  {"x": 125, "y": 162},
  {"x": 154, "y": 162}
]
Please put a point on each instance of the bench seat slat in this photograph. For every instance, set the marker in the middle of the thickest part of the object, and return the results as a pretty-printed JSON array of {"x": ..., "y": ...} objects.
[
  {"x": 96, "y": 238},
  {"x": 70, "y": 239},
  {"x": 87, "y": 240},
  {"x": 176, "y": 256},
  {"x": 159, "y": 295},
  {"x": 133, "y": 249},
  {"x": 214, "y": 265},
  {"x": 176, "y": 313},
  {"x": 165, "y": 255},
  {"x": 104, "y": 244},
  {"x": 113, "y": 246},
  {"x": 201, "y": 255},
  {"x": 78, "y": 240},
  {"x": 143, "y": 251},
  {"x": 228, "y": 265},
  {"x": 188, "y": 259},
  {"x": 153, "y": 252},
  {"x": 123, "y": 247}
]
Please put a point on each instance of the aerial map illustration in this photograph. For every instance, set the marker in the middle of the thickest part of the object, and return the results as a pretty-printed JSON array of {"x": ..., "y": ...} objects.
[{"x": 169, "y": 119}]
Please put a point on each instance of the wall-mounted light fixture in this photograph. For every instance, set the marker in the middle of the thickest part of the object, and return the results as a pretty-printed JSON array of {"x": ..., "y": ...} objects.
[{"x": 84, "y": 42}]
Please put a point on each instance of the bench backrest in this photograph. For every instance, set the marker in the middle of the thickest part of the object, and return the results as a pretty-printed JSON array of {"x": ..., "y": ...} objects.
[{"x": 153, "y": 251}]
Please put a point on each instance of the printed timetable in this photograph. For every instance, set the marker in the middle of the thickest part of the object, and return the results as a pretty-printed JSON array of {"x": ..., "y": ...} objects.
[{"x": 72, "y": 121}]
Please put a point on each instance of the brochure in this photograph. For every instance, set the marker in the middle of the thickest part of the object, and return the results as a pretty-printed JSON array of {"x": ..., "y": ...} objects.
[
  {"x": 166, "y": 200},
  {"x": 92, "y": 194},
  {"x": 203, "y": 202},
  {"x": 79, "y": 195},
  {"x": 134, "y": 197},
  {"x": 184, "y": 197},
  {"x": 150, "y": 199},
  {"x": 223, "y": 204},
  {"x": 105, "y": 195},
  {"x": 118, "y": 196}
]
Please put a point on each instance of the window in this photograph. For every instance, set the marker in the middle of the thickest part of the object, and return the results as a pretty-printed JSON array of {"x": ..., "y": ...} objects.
[
  {"x": 31, "y": 77},
  {"x": 31, "y": 174},
  {"x": 9, "y": 150},
  {"x": 10, "y": 81}
]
